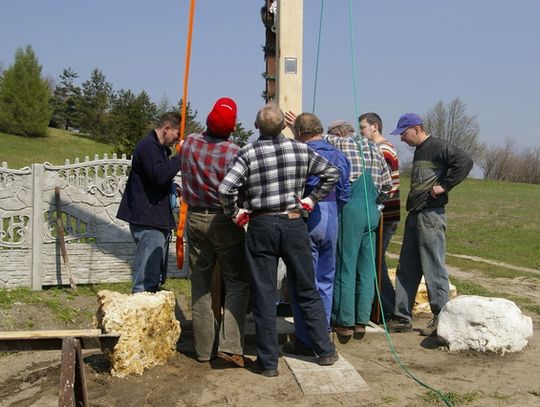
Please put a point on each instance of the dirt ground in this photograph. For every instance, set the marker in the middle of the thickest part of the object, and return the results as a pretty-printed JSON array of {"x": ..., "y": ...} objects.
[{"x": 31, "y": 378}]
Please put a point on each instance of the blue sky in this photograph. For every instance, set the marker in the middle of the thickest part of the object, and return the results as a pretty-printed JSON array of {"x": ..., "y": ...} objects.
[{"x": 410, "y": 54}]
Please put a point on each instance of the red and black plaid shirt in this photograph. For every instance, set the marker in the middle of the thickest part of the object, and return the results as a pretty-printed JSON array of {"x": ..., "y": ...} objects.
[{"x": 205, "y": 161}]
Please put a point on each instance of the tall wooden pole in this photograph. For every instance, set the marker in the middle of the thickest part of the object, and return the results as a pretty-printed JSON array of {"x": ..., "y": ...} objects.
[{"x": 283, "y": 49}]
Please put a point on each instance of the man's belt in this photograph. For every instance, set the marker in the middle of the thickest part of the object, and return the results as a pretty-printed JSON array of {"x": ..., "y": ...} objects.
[
  {"x": 205, "y": 210},
  {"x": 290, "y": 214}
]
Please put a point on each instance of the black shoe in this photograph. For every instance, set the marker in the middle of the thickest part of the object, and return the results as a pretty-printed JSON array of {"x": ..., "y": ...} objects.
[
  {"x": 269, "y": 373},
  {"x": 328, "y": 360},
  {"x": 256, "y": 368},
  {"x": 297, "y": 348},
  {"x": 399, "y": 325}
]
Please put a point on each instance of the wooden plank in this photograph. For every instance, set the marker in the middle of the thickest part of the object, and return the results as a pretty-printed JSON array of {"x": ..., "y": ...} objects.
[{"x": 65, "y": 333}]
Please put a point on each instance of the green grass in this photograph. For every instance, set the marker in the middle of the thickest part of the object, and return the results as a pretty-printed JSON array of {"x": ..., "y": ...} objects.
[
  {"x": 467, "y": 288},
  {"x": 455, "y": 398},
  {"x": 489, "y": 270},
  {"x": 57, "y": 298},
  {"x": 491, "y": 219},
  {"x": 58, "y": 146}
]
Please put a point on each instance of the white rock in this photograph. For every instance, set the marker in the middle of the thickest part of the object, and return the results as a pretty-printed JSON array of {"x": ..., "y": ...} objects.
[
  {"x": 147, "y": 327},
  {"x": 484, "y": 324}
]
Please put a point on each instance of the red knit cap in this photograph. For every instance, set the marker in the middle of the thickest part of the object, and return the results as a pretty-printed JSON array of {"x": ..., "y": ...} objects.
[{"x": 222, "y": 119}]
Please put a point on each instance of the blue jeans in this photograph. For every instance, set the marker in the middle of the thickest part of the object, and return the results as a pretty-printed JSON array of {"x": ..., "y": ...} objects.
[
  {"x": 268, "y": 238},
  {"x": 422, "y": 253},
  {"x": 388, "y": 294},
  {"x": 151, "y": 257}
]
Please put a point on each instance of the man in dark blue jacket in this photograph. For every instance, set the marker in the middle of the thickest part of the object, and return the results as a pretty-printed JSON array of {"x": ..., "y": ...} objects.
[{"x": 146, "y": 205}]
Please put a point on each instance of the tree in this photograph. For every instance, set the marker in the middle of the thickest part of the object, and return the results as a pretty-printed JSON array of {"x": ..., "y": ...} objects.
[
  {"x": 505, "y": 164},
  {"x": 94, "y": 105},
  {"x": 164, "y": 105},
  {"x": 66, "y": 114},
  {"x": 131, "y": 118},
  {"x": 450, "y": 122},
  {"x": 24, "y": 97},
  {"x": 192, "y": 125},
  {"x": 240, "y": 135}
]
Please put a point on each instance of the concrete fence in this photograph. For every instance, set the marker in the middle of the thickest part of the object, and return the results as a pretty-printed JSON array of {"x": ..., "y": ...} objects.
[{"x": 99, "y": 246}]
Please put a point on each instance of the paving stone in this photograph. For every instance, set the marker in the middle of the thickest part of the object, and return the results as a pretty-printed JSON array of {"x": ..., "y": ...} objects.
[{"x": 315, "y": 379}]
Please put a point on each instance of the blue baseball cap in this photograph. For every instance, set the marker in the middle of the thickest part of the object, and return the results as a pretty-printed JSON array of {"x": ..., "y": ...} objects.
[{"x": 405, "y": 121}]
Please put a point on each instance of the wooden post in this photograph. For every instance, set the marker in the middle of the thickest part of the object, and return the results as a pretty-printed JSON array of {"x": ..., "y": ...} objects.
[
  {"x": 290, "y": 28},
  {"x": 60, "y": 231},
  {"x": 72, "y": 381}
]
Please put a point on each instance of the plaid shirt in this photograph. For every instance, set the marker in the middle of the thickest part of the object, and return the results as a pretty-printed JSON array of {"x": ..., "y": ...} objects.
[
  {"x": 205, "y": 161},
  {"x": 373, "y": 160},
  {"x": 271, "y": 173}
]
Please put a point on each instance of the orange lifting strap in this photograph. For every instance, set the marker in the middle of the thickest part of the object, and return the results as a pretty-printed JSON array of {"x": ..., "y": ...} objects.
[{"x": 183, "y": 207}]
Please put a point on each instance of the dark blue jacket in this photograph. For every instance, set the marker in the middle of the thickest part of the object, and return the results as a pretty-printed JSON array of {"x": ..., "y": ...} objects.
[{"x": 145, "y": 200}]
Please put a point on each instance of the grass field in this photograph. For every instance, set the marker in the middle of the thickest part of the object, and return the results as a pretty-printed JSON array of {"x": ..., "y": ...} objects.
[
  {"x": 491, "y": 219},
  {"x": 58, "y": 146}
]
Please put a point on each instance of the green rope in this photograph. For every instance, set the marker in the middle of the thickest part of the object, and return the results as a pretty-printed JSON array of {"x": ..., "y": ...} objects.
[
  {"x": 356, "y": 111},
  {"x": 317, "y": 60}
]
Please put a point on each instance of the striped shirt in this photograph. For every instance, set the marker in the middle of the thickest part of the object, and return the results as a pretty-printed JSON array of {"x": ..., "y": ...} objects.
[
  {"x": 271, "y": 174},
  {"x": 205, "y": 161},
  {"x": 391, "y": 205},
  {"x": 373, "y": 160}
]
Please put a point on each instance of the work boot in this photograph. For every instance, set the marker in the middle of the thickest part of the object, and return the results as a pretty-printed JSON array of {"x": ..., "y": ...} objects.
[
  {"x": 431, "y": 327},
  {"x": 328, "y": 360},
  {"x": 346, "y": 331},
  {"x": 396, "y": 325},
  {"x": 359, "y": 331}
]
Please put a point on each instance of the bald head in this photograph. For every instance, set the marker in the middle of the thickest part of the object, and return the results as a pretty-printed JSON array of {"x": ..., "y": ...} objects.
[
  {"x": 341, "y": 128},
  {"x": 270, "y": 120}
]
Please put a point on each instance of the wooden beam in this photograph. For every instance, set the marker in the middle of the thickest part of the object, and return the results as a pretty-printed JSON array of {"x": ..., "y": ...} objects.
[
  {"x": 63, "y": 333},
  {"x": 52, "y": 340}
]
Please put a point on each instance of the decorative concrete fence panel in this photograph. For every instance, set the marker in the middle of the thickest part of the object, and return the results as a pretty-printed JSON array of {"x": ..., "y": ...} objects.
[{"x": 99, "y": 246}]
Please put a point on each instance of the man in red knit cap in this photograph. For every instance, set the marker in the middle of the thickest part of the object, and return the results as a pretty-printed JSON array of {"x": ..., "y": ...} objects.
[{"x": 213, "y": 236}]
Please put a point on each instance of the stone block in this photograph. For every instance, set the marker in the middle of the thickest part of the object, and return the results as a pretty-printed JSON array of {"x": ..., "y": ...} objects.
[
  {"x": 484, "y": 324},
  {"x": 147, "y": 327},
  {"x": 421, "y": 302}
]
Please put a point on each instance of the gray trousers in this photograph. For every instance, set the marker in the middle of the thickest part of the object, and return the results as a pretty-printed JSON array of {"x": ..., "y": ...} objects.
[
  {"x": 212, "y": 238},
  {"x": 422, "y": 253}
]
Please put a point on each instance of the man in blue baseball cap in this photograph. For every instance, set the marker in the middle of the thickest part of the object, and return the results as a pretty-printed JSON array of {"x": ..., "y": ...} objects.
[{"x": 437, "y": 167}]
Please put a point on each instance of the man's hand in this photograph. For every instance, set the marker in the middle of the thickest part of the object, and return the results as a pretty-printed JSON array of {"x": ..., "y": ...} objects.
[
  {"x": 290, "y": 117},
  {"x": 242, "y": 217},
  {"x": 436, "y": 190},
  {"x": 307, "y": 204}
]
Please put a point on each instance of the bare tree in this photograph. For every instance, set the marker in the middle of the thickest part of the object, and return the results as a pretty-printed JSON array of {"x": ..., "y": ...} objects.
[
  {"x": 450, "y": 122},
  {"x": 505, "y": 164}
]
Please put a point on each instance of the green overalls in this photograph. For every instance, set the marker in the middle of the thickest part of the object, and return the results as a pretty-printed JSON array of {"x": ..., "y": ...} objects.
[{"x": 354, "y": 286}]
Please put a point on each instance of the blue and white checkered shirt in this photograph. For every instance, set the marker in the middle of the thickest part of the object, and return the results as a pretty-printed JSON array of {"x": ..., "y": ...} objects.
[
  {"x": 373, "y": 160},
  {"x": 271, "y": 174}
]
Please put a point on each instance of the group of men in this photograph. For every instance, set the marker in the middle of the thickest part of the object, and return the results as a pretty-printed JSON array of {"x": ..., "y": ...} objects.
[{"x": 315, "y": 202}]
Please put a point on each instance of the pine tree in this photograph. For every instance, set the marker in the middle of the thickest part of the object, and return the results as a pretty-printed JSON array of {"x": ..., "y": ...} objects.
[
  {"x": 240, "y": 136},
  {"x": 192, "y": 125},
  {"x": 95, "y": 104},
  {"x": 132, "y": 117},
  {"x": 24, "y": 97},
  {"x": 66, "y": 114}
]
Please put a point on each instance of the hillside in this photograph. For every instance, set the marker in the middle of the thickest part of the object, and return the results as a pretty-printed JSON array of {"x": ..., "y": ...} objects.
[{"x": 58, "y": 146}]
